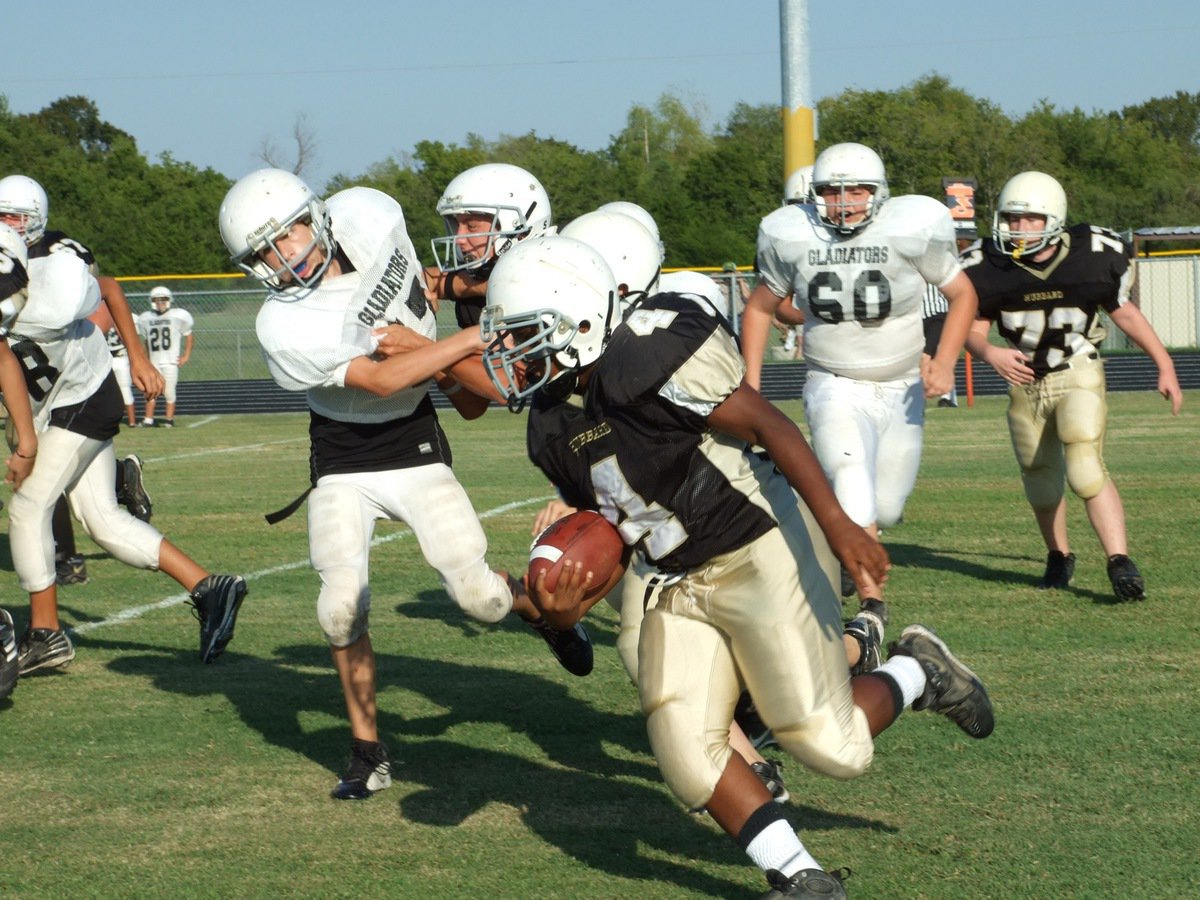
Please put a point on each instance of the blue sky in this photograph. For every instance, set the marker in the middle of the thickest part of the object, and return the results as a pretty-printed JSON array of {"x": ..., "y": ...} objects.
[{"x": 208, "y": 82}]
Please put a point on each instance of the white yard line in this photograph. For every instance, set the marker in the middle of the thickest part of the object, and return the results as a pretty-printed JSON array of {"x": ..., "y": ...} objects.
[
  {"x": 173, "y": 457},
  {"x": 204, "y": 421},
  {"x": 135, "y": 612}
]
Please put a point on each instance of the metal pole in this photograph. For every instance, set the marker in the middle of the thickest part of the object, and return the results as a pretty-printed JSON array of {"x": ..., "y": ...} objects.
[{"x": 799, "y": 122}]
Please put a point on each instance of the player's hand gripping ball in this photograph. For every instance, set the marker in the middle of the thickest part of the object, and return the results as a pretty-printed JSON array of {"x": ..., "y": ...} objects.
[{"x": 583, "y": 536}]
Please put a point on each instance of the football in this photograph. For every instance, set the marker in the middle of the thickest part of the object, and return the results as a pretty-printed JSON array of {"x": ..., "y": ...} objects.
[{"x": 583, "y": 536}]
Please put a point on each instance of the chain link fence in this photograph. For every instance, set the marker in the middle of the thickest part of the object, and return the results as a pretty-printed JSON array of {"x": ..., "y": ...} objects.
[{"x": 226, "y": 349}]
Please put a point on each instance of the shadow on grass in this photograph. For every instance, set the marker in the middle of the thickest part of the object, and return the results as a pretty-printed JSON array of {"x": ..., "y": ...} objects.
[
  {"x": 611, "y": 813},
  {"x": 1026, "y": 575}
]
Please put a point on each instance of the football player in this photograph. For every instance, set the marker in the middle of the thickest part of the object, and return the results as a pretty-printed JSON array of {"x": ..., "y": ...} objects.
[
  {"x": 337, "y": 270},
  {"x": 663, "y": 450},
  {"x": 1044, "y": 285},
  {"x": 14, "y": 282},
  {"x": 25, "y": 207},
  {"x": 487, "y": 209},
  {"x": 167, "y": 330},
  {"x": 856, "y": 262},
  {"x": 77, "y": 411}
]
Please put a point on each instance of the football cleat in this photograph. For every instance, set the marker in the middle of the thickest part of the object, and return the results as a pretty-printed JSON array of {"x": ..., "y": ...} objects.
[
  {"x": 745, "y": 714},
  {"x": 1127, "y": 581},
  {"x": 950, "y": 687},
  {"x": 10, "y": 666},
  {"x": 808, "y": 883},
  {"x": 168, "y": 423},
  {"x": 215, "y": 603},
  {"x": 44, "y": 648},
  {"x": 572, "y": 647},
  {"x": 867, "y": 628},
  {"x": 1060, "y": 569},
  {"x": 770, "y": 773},
  {"x": 70, "y": 570},
  {"x": 369, "y": 770},
  {"x": 133, "y": 495}
]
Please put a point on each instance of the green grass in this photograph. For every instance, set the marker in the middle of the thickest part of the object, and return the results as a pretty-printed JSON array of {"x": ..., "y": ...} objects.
[{"x": 141, "y": 772}]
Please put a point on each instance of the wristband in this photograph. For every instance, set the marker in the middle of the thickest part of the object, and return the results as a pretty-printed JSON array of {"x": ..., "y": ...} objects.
[{"x": 454, "y": 388}]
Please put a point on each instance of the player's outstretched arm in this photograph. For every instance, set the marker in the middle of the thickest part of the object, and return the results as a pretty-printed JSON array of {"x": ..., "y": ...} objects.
[
  {"x": 1134, "y": 323},
  {"x": 384, "y": 377},
  {"x": 1009, "y": 362},
  {"x": 16, "y": 398},
  {"x": 757, "y": 317},
  {"x": 747, "y": 415},
  {"x": 144, "y": 376},
  {"x": 964, "y": 304}
]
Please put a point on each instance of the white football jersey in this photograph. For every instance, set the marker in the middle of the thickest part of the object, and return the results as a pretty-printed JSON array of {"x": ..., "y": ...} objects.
[
  {"x": 165, "y": 334},
  {"x": 861, "y": 293},
  {"x": 64, "y": 356},
  {"x": 309, "y": 342}
]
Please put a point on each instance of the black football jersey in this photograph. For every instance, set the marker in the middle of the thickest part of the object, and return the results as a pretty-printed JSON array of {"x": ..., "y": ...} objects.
[
  {"x": 57, "y": 242},
  {"x": 1051, "y": 311},
  {"x": 641, "y": 451}
]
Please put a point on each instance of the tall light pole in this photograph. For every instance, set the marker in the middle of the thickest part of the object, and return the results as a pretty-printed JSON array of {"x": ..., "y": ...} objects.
[{"x": 799, "y": 125}]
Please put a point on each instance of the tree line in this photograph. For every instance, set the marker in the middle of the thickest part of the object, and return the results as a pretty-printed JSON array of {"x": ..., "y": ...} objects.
[{"x": 708, "y": 188}]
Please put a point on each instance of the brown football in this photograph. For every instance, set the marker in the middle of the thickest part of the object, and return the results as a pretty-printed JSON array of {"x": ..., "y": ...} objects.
[{"x": 583, "y": 536}]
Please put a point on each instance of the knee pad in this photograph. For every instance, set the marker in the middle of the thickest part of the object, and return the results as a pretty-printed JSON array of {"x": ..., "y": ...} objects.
[
  {"x": 1081, "y": 419},
  {"x": 343, "y": 606},
  {"x": 479, "y": 592},
  {"x": 1086, "y": 472},
  {"x": 690, "y": 765}
]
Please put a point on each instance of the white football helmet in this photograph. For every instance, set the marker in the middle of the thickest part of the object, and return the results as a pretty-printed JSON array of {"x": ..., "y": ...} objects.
[
  {"x": 14, "y": 273},
  {"x": 549, "y": 299},
  {"x": 798, "y": 187},
  {"x": 516, "y": 201},
  {"x": 262, "y": 208},
  {"x": 21, "y": 196},
  {"x": 632, "y": 253},
  {"x": 1030, "y": 193},
  {"x": 848, "y": 165},
  {"x": 642, "y": 216},
  {"x": 686, "y": 281},
  {"x": 160, "y": 299}
]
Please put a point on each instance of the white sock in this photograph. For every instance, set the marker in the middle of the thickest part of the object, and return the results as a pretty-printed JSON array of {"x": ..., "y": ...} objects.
[
  {"x": 908, "y": 675},
  {"x": 778, "y": 847}
]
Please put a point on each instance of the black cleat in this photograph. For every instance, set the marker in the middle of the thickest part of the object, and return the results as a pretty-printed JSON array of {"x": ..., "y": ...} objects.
[
  {"x": 70, "y": 570},
  {"x": 44, "y": 648},
  {"x": 215, "y": 603},
  {"x": 133, "y": 495},
  {"x": 572, "y": 647},
  {"x": 745, "y": 714},
  {"x": 10, "y": 666},
  {"x": 867, "y": 628},
  {"x": 808, "y": 883},
  {"x": 369, "y": 770},
  {"x": 950, "y": 688},
  {"x": 770, "y": 773},
  {"x": 1127, "y": 581},
  {"x": 1060, "y": 569}
]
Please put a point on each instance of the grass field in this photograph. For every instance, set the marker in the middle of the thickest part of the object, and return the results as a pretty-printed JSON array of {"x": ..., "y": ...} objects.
[{"x": 141, "y": 772}]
